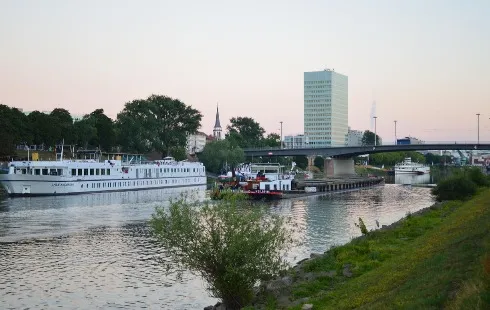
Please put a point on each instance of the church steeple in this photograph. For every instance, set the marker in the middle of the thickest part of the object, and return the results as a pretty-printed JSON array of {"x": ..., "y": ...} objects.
[
  {"x": 217, "y": 126},
  {"x": 217, "y": 123}
]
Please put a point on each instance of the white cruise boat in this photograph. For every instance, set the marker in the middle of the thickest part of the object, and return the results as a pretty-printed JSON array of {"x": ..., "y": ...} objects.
[
  {"x": 407, "y": 166},
  {"x": 120, "y": 173}
]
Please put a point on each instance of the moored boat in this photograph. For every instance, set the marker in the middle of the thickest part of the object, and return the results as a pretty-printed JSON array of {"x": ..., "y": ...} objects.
[
  {"x": 91, "y": 173},
  {"x": 258, "y": 180},
  {"x": 407, "y": 166}
]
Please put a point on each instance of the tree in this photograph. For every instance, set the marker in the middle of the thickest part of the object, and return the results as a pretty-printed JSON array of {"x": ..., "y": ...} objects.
[
  {"x": 368, "y": 138},
  {"x": 157, "y": 123},
  {"x": 63, "y": 129},
  {"x": 319, "y": 162},
  {"x": 272, "y": 140},
  {"x": 230, "y": 246},
  {"x": 245, "y": 132},
  {"x": 85, "y": 132},
  {"x": 43, "y": 128},
  {"x": 105, "y": 137},
  {"x": 216, "y": 153},
  {"x": 14, "y": 129},
  {"x": 178, "y": 153}
]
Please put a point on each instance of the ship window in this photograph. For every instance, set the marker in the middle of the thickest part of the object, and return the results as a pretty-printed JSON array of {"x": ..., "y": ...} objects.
[
  {"x": 24, "y": 171},
  {"x": 91, "y": 171},
  {"x": 108, "y": 171},
  {"x": 267, "y": 187},
  {"x": 73, "y": 171},
  {"x": 60, "y": 171},
  {"x": 97, "y": 171},
  {"x": 85, "y": 171},
  {"x": 45, "y": 171},
  {"x": 102, "y": 171},
  {"x": 80, "y": 172},
  {"x": 81, "y": 186},
  {"x": 37, "y": 171}
]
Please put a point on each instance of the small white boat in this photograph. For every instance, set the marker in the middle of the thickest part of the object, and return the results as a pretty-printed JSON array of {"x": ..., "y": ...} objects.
[{"x": 407, "y": 166}]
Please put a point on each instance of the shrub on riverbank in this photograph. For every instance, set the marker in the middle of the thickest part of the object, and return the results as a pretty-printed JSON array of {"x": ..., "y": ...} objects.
[
  {"x": 460, "y": 186},
  {"x": 227, "y": 194},
  {"x": 232, "y": 247}
]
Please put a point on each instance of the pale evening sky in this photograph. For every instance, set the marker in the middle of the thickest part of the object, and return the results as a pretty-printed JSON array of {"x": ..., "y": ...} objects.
[{"x": 426, "y": 63}]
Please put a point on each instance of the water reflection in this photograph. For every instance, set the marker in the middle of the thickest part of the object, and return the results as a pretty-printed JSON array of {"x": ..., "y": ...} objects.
[
  {"x": 412, "y": 178},
  {"x": 95, "y": 251}
]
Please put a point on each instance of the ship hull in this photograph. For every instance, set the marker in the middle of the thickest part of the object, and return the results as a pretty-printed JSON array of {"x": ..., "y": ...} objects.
[{"x": 26, "y": 186}]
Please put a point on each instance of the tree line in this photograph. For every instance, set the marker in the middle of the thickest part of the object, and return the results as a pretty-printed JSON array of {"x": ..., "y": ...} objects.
[{"x": 155, "y": 124}]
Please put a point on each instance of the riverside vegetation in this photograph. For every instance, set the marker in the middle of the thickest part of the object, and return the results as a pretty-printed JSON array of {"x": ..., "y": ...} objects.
[
  {"x": 435, "y": 258},
  {"x": 231, "y": 245}
]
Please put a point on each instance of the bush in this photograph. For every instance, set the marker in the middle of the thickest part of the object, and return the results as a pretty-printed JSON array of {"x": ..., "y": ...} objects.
[
  {"x": 227, "y": 194},
  {"x": 458, "y": 187},
  {"x": 477, "y": 176},
  {"x": 232, "y": 248}
]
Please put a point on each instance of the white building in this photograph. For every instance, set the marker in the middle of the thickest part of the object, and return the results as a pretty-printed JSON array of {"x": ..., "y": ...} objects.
[
  {"x": 354, "y": 137},
  {"x": 295, "y": 142},
  {"x": 196, "y": 143},
  {"x": 325, "y": 108}
]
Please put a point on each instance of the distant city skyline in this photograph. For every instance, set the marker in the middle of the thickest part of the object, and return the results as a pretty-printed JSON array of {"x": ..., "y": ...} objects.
[{"x": 426, "y": 62}]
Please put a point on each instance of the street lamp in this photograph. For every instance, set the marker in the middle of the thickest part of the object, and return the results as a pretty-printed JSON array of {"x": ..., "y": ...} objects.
[
  {"x": 395, "y": 133},
  {"x": 281, "y": 133},
  {"x": 478, "y": 115},
  {"x": 375, "y": 136}
]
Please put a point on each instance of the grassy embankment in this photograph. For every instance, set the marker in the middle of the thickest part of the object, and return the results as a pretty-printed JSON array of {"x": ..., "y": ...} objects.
[{"x": 439, "y": 258}]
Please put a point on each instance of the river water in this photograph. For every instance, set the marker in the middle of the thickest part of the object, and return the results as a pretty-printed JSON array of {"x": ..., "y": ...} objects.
[{"x": 95, "y": 251}]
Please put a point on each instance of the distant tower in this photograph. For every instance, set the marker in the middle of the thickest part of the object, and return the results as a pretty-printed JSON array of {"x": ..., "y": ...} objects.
[{"x": 217, "y": 131}]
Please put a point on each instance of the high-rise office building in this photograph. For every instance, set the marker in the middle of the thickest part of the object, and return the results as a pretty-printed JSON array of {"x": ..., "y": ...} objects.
[{"x": 325, "y": 108}]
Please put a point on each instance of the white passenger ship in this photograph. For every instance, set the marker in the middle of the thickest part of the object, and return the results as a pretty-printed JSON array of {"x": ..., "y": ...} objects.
[
  {"x": 92, "y": 174},
  {"x": 407, "y": 166}
]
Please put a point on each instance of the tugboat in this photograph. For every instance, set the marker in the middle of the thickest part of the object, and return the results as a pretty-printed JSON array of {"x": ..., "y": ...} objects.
[{"x": 258, "y": 181}]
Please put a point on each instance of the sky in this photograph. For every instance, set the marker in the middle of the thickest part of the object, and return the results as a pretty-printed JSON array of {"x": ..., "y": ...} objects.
[{"x": 426, "y": 63}]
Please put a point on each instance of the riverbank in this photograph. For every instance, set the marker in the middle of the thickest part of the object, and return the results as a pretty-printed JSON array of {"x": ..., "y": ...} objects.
[{"x": 438, "y": 257}]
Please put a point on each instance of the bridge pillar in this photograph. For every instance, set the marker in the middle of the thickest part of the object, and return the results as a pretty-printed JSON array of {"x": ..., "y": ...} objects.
[
  {"x": 311, "y": 162},
  {"x": 339, "y": 167}
]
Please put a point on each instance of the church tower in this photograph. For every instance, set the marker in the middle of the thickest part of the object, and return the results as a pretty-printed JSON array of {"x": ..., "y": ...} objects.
[{"x": 217, "y": 131}]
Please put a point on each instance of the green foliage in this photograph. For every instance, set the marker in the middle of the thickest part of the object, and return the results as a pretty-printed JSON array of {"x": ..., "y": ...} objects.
[
  {"x": 245, "y": 132},
  {"x": 458, "y": 187},
  {"x": 461, "y": 185},
  {"x": 216, "y": 153},
  {"x": 272, "y": 140},
  {"x": 231, "y": 247},
  {"x": 362, "y": 227},
  {"x": 227, "y": 194},
  {"x": 178, "y": 153},
  {"x": 157, "y": 123},
  {"x": 368, "y": 138},
  {"x": 105, "y": 137},
  {"x": 392, "y": 158},
  {"x": 63, "y": 129},
  {"x": 319, "y": 162}
]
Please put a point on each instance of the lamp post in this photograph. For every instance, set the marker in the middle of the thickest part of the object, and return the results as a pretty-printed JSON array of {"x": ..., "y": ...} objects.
[
  {"x": 375, "y": 136},
  {"x": 281, "y": 134},
  {"x": 395, "y": 133},
  {"x": 478, "y": 115}
]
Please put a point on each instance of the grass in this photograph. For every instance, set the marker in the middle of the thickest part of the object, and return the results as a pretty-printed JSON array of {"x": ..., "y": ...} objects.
[{"x": 440, "y": 259}]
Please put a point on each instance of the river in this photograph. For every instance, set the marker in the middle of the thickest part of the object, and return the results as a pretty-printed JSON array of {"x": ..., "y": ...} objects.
[{"x": 95, "y": 252}]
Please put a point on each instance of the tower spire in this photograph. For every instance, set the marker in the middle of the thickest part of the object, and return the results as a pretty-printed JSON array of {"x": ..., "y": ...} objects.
[
  {"x": 217, "y": 123},
  {"x": 217, "y": 126}
]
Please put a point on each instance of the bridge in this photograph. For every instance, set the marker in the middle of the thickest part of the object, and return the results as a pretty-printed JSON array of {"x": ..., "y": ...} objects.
[{"x": 339, "y": 159}]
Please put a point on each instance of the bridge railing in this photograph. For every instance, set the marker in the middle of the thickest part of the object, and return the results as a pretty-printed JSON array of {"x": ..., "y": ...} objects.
[{"x": 268, "y": 148}]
